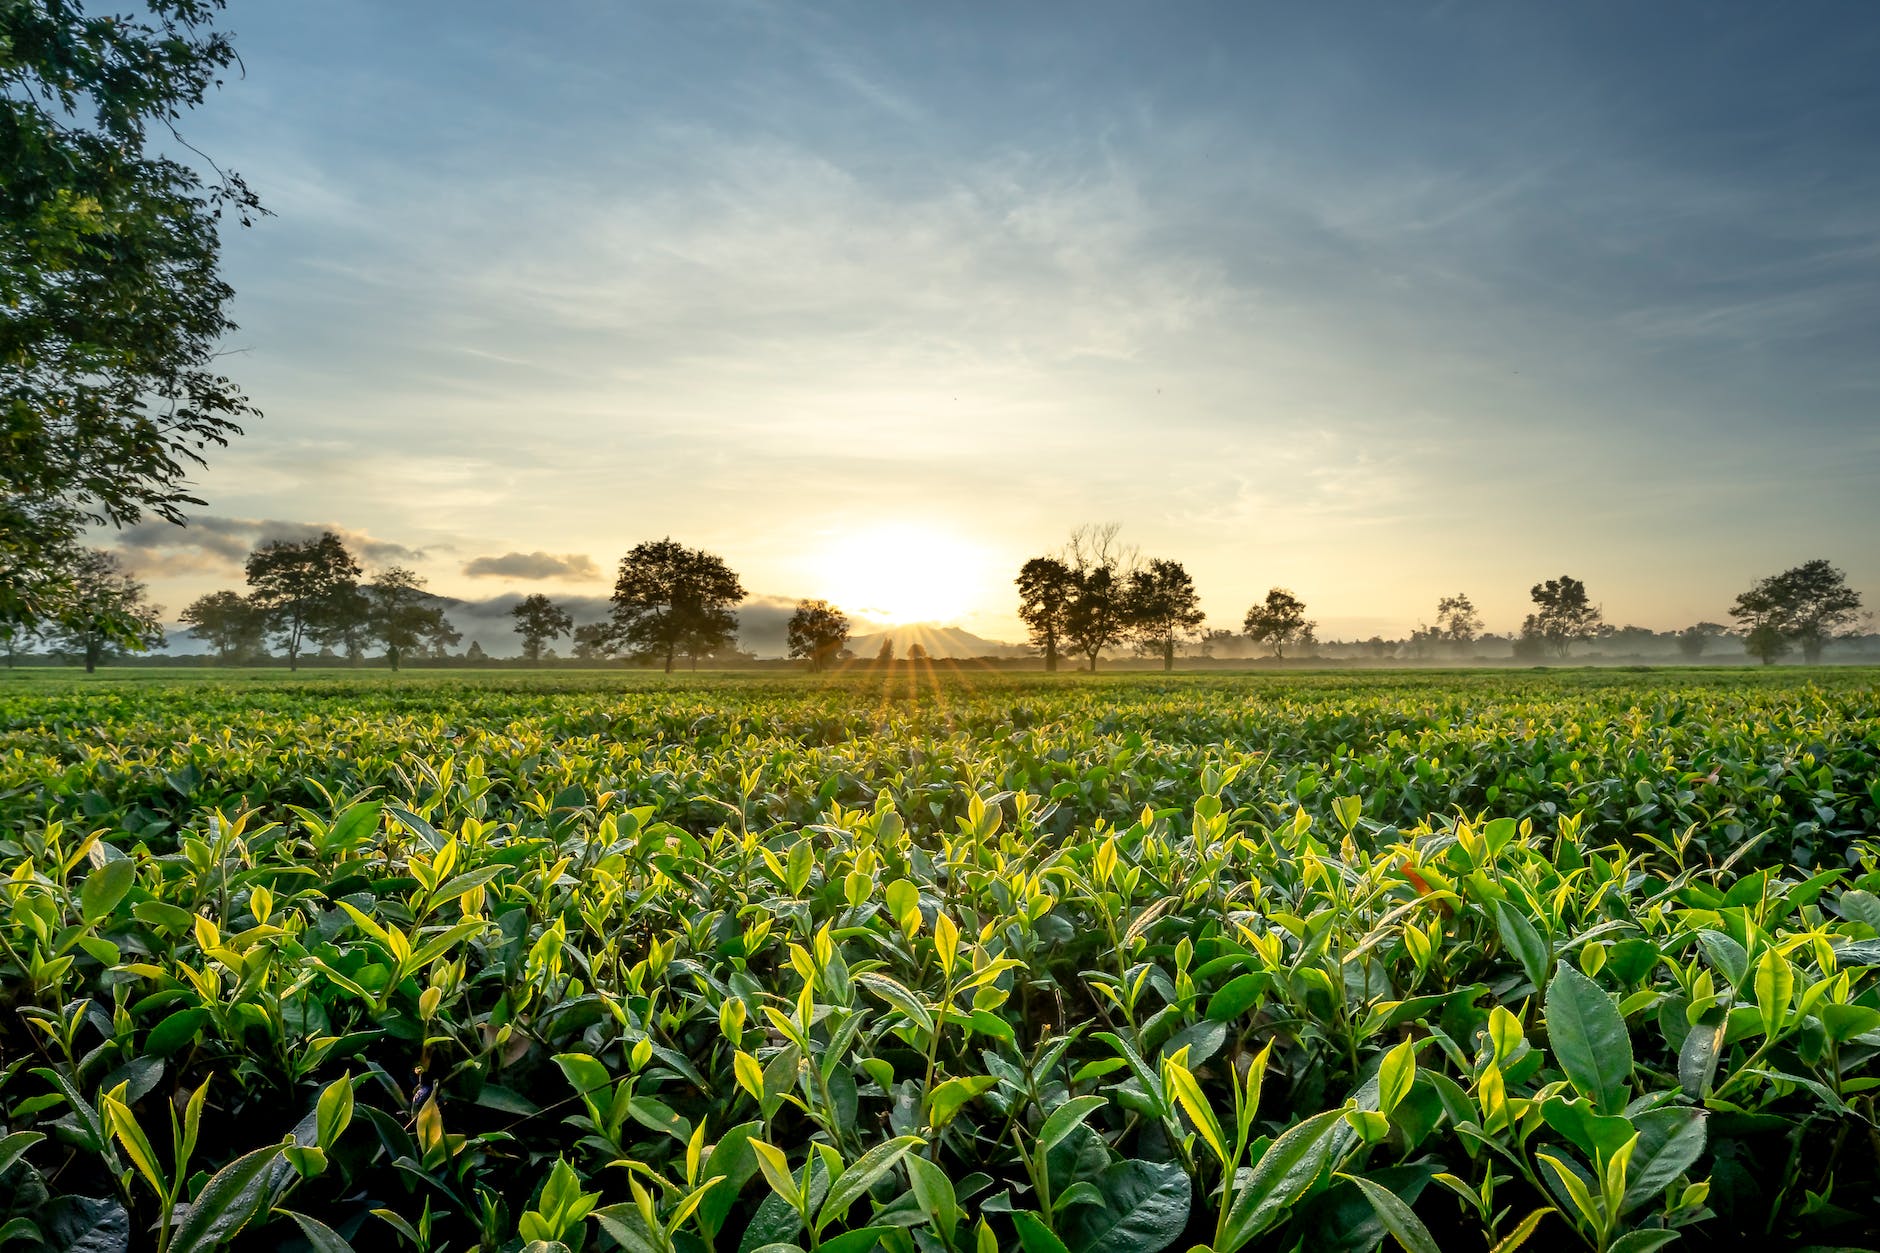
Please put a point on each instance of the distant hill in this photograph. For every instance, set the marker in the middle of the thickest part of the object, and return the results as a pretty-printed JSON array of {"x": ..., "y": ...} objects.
[{"x": 939, "y": 641}]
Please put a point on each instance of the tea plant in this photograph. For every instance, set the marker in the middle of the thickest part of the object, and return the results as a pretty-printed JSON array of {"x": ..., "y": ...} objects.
[{"x": 1445, "y": 962}]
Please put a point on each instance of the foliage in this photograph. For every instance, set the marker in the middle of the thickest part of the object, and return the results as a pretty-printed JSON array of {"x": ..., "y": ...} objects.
[
  {"x": 106, "y": 609},
  {"x": 305, "y": 590},
  {"x": 111, "y": 308},
  {"x": 670, "y": 599},
  {"x": 539, "y": 620},
  {"x": 1694, "y": 639},
  {"x": 1163, "y": 607},
  {"x": 401, "y": 616},
  {"x": 227, "y": 622},
  {"x": 1808, "y": 605},
  {"x": 1046, "y": 588},
  {"x": 817, "y": 632},
  {"x": 1279, "y": 620},
  {"x": 1456, "y": 619},
  {"x": 877, "y": 963},
  {"x": 1564, "y": 614}
]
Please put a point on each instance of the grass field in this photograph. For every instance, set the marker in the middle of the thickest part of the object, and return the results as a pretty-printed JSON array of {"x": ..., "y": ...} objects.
[{"x": 1441, "y": 959}]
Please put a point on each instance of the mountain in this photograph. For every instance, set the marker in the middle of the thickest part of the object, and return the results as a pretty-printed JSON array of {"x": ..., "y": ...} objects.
[{"x": 939, "y": 641}]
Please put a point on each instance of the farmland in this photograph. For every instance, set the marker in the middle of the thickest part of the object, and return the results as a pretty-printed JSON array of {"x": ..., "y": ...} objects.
[{"x": 1444, "y": 960}]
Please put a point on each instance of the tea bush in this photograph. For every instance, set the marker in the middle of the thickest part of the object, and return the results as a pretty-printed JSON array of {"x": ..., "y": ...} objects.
[{"x": 955, "y": 962}]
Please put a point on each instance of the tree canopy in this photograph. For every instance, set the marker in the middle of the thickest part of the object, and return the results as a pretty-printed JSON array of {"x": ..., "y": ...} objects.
[
  {"x": 112, "y": 309},
  {"x": 1163, "y": 608},
  {"x": 228, "y": 622},
  {"x": 306, "y": 590},
  {"x": 1279, "y": 620},
  {"x": 539, "y": 620},
  {"x": 109, "y": 610},
  {"x": 401, "y": 615},
  {"x": 1808, "y": 606},
  {"x": 1564, "y": 614},
  {"x": 817, "y": 632},
  {"x": 670, "y": 599},
  {"x": 1046, "y": 588}
]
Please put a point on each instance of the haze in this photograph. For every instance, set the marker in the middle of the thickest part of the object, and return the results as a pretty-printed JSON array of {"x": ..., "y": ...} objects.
[{"x": 1375, "y": 302}]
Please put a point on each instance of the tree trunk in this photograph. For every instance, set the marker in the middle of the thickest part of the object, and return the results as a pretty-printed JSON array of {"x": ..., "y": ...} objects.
[
  {"x": 1050, "y": 656},
  {"x": 669, "y": 656},
  {"x": 92, "y": 650},
  {"x": 393, "y": 654},
  {"x": 1168, "y": 654}
]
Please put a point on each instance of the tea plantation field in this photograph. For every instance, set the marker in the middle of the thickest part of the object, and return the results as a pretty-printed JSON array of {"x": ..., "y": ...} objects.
[{"x": 591, "y": 961}]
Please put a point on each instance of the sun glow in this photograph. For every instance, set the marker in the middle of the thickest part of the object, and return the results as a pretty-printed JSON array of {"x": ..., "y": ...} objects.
[{"x": 899, "y": 573}]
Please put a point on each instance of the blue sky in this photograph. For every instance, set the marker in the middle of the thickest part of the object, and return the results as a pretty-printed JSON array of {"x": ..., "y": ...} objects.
[{"x": 1377, "y": 302}]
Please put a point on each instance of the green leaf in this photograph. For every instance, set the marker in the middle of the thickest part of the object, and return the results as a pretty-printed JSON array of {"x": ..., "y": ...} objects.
[
  {"x": 1398, "y": 1219},
  {"x": 1642, "y": 1241},
  {"x": 861, "y": 1240},
  {"x": 1725, "y": 954},
  {"x": 947, "y": 1098},
  {"x": 320, "y": 1237},
  {"x": 238, "y": 1192},
  {"x": 1589, "y": 1038},
  {"x": 105, "y": 887},
  {"x": 1066, "y": 1118},
  {"x": 1238, "y": 995},
  {"x": 935, "y": 1193},
  {"x": 12, "y": 1146},
  {"x": 1034, "y": 1236},
  {"x": 1669, "y": 1143},
  {"x": 1281, "y": 1177},
  {"x": 1144, "y": 1210},
  {"x": 1697, "y": 1060},
  {"x": 1395, "y": 1076},
  {"x": 1520, "y": 937},
  {"x": 732, "y": 1158},
  {"x": 1775, "y": 989},
  {"x": 861, "y": 1176},
  {"x": 898, "y": 996},
  {"x": 585, "y": 1072},
  {"x": 176, "y": 1031}
]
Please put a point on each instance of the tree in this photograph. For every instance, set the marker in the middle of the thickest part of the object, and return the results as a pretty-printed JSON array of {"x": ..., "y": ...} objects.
[
  {"x": 1098, "y": 613},
  {"x": 1810, "y": 605},
  {"x": 403, "y": 616},
  {"x": 593, "y": 642},
  {"x": 109, "y": 611},
  {"x": 1046, "y": 588},
  {"x": 917, "y": 652},
  {"x": 306, "y": 590},
  {"x": 475, "y": 653},
  {"x": 539, "y": 620},
  {"x": 818, "y": 630},
  {"x": 671, "y": 599},
  {"x": 885, "y": 654},
  {"x": 1456, "y": 619},
  {"x": 1279, "y": 621},
  {"x": 111, "y": 308},
  {"x": 1163, "y": 608},
  {"x": 1692, "y": 640},
  {"x": 227, "y": 622},
  {"x": 1766, "y": 640},
  {"x": 1564, "y": 614}
]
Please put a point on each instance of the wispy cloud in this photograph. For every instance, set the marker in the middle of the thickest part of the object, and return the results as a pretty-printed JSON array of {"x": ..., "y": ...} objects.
[{"x": 534, "y": 566}]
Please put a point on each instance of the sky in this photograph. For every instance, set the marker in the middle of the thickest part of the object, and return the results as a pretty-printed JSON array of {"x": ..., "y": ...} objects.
[{"x": 1377, "y": 302}]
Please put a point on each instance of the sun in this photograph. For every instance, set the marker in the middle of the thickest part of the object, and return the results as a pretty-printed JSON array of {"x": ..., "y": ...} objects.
[{"x": 899, "y": 573}]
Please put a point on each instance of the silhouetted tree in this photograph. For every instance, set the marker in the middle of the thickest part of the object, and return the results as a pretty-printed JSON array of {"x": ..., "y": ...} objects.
[
  {"x": 917, "y": 652},
  {"x": 1046, "y": 588},
  {"x": 885, "y": 653},
  {"x": 594, "y": 642},
  {"x": 1162, "y": 607},
  {"x": 539, "y": 620},
  {"x": 109, "y": 610},
  {"x": 1456, "y": 619},
  {"x": 227, "y": 622},
  {"x": 307, "y": 591},
  {"x": 402, "y": 616},
  {"x": 671, "y": 599},
  {"x": 475, "y": 653},
  {"x": 1564, "y": 614},
  {"x": 1809, "y": 605},
  {"x": 1693, "y": 640},
  {"x": 1279, "y": 620},
  {"x": 817, "y": 631},
  {"x": 1098, "y": 614},
  {"x": 109, "y": 248}
]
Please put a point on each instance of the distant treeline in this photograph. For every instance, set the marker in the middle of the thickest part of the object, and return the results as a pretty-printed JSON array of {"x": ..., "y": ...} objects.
[{"x": 308, "y": 602}]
